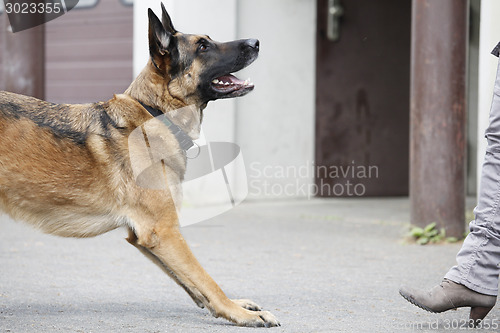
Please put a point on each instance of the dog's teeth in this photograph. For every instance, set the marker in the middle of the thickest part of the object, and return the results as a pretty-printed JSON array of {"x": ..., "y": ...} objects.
[
  {"x": 215, "y": 81},
  {"x": 227, "y": 83}
]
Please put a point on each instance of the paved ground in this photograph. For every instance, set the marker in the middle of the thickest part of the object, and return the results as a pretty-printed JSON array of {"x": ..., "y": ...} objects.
[{"x": 319, "y": 266}]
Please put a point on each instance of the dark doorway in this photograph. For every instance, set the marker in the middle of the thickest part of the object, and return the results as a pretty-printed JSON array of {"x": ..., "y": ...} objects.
[{"x": 362, "y": 99}]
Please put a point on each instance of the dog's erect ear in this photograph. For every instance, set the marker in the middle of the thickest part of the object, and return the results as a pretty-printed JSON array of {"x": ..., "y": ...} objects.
[
  {"x": 166, "y": 20},
  {"x": 159, "y": 39}
]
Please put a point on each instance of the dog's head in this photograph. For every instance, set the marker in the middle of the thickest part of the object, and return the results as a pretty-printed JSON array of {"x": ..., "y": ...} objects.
[{"x": 197, "y": 69}]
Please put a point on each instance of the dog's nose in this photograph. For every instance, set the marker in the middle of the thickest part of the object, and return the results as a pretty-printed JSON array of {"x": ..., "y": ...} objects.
[{"x": 252, "y": 43}]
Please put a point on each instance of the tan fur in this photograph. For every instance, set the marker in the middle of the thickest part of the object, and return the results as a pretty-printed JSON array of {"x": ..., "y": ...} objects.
[{"x": 66, "y": 169}]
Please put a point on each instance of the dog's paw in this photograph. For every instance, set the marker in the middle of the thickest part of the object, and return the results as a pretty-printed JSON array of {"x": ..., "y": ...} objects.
[
  {"x": 260, "y": 319},
  {"x": 247, "y": 304}
]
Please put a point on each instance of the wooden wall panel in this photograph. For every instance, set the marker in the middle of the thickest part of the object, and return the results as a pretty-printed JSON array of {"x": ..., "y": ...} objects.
[{"x": 89, "y": 53}]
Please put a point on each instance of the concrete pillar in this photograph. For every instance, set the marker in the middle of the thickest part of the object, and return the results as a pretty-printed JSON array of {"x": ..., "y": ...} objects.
[{"x": 438, "y": 110}]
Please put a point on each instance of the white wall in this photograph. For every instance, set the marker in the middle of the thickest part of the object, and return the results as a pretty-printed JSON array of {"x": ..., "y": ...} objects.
[
  {"x": 274, "y": 125},
  {"x": 488, "y": 38}
]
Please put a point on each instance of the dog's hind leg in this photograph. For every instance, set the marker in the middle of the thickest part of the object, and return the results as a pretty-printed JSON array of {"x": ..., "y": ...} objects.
[{"x": 132, "y": 239}]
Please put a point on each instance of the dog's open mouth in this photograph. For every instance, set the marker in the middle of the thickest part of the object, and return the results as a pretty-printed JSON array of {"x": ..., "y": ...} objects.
[{"x": 230, "y": 84}]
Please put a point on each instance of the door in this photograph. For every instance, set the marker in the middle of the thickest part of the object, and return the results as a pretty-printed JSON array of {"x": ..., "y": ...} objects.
[{"x": 362, "y": 99}]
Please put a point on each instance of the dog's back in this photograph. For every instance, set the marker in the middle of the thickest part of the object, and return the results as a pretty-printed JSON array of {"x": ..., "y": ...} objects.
[{"x": 65, "y": 121}]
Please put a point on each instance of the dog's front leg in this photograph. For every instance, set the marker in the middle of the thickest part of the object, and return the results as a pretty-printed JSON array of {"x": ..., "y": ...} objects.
[
  {"x": 132, "y": 239},
  {"x": 165, "y": 242}
]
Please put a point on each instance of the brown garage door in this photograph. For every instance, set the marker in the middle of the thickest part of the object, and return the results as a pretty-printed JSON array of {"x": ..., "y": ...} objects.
[
  {"x": 89, "y": 53},
  {"x": 362, "y": 101}
]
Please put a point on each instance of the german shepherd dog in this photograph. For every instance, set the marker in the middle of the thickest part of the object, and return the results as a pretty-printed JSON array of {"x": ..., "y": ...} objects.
[{"x": 66, "y": 169}]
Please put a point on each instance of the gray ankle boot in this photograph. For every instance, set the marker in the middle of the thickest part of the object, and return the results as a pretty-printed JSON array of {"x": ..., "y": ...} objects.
[{"x": 450, "y": 295}]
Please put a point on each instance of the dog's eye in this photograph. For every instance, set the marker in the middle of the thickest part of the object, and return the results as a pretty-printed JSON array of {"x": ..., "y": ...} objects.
[{"x": 203, "y": 47}]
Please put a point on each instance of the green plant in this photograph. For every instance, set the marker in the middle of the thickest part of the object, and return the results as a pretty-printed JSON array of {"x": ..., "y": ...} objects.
[{"x": 430, "y": 234}]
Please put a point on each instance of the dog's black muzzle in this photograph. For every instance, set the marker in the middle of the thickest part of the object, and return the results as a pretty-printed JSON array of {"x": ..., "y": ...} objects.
[{"x": 218, "y": 82}]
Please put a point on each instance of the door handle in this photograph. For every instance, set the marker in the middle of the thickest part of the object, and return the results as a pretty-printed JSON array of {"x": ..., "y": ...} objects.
[{"x": 334, "y": 12}]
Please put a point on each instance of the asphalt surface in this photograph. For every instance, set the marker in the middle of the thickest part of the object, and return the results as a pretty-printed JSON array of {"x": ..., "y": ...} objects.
[{"x": 319, "y": 266}]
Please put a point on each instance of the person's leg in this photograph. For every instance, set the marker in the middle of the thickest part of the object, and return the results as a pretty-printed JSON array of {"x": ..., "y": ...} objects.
[
  {"x": 474, "y": 281},
  {"x": 479, "y": 258}
]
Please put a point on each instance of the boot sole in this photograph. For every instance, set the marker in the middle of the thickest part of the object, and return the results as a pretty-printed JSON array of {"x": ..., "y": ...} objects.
[{"x": 423, "y": 307}]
